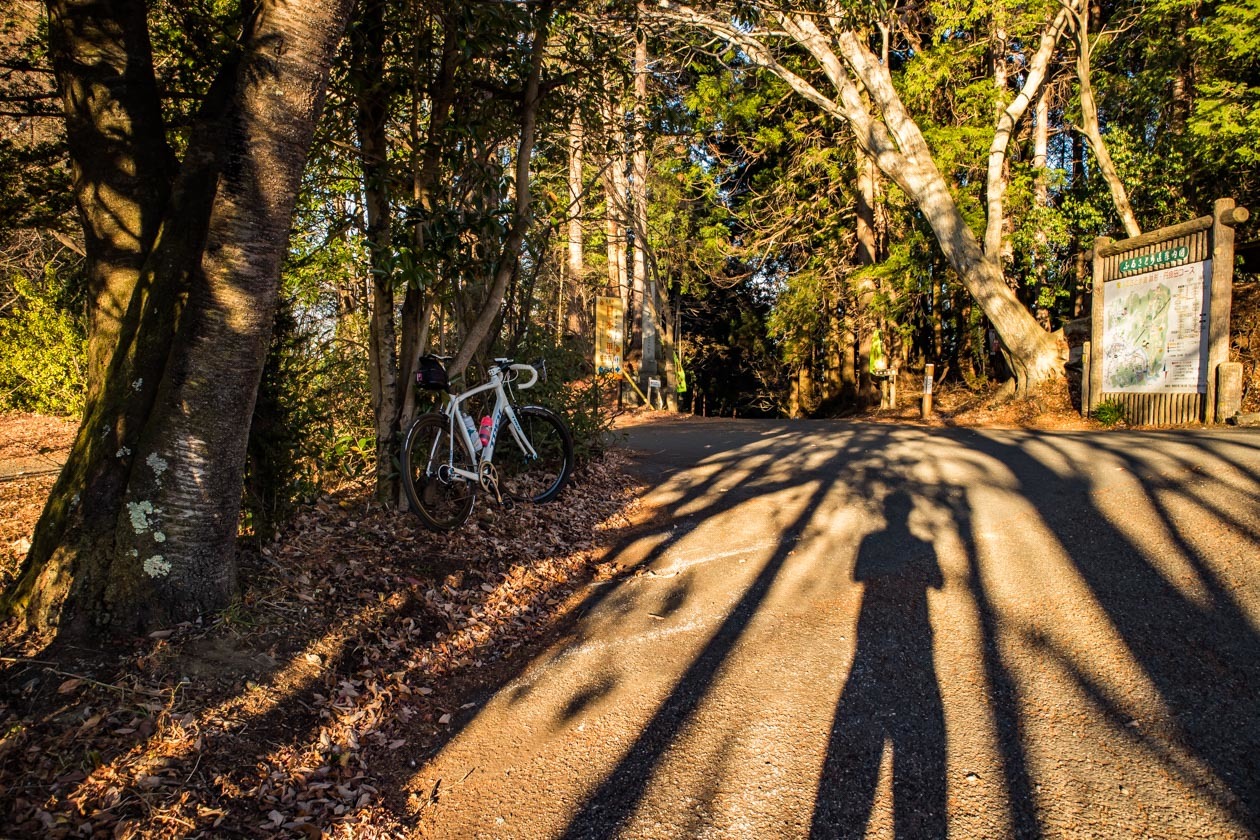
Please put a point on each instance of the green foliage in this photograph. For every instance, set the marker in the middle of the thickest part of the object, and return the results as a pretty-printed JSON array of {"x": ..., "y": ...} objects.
[
  {"x": 42, "y": 350},
  {"x": 1109, "y": 412},
  {"x": 1226, "y": 119},
  {"x": 311, "y": 427}
]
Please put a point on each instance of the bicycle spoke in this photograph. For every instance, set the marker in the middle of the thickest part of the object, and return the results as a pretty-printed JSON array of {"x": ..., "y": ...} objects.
[{"x": 442, "y": 499}]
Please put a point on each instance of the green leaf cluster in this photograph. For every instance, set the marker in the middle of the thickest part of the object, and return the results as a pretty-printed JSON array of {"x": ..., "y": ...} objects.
[{"x": 42, "y": 351}]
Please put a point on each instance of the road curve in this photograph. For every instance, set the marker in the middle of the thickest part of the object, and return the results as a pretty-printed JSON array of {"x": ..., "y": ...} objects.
[{"x": 848, "y": 630}]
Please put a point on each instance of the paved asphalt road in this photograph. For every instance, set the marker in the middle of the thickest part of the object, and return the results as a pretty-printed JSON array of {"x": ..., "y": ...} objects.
[{"x": 846, "y": 630}]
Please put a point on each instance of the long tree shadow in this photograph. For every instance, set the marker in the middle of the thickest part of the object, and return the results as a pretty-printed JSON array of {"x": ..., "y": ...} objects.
[
  {"x": 775, "y": 466},
  {"x": 1204, "y": 659},
  {"x": 892, "y": 700},
  {"x": 607, "y": 808},
  {"x": 1004, "y": 698}
]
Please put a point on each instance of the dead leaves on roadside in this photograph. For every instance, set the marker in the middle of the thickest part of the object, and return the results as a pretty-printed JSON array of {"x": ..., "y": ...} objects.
[{"x": 305, "y": 709}]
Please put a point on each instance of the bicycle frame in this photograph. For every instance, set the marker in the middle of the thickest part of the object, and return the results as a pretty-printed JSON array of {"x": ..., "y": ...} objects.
[{"x": 502, "y": 406}]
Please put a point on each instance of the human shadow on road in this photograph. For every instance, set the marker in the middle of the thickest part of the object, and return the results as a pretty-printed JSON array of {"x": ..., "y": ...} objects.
[{"x": 892, "y": 700}]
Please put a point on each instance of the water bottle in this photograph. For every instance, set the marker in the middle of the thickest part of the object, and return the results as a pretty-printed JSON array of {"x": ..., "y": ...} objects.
[
  {"x": 484, "y": 431},
  {"x": 472, "y": 432}
]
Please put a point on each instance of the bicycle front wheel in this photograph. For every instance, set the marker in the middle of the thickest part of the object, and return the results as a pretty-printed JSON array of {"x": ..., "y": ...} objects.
[
  {"x": 539, "y": 477},
  {"x": 442, "y": 499}
]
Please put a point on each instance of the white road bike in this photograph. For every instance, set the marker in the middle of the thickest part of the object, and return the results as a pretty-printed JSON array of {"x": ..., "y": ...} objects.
[{"x": 523, "y": 454}]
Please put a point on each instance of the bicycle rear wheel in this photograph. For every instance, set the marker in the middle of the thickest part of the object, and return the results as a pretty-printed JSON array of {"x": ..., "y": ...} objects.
[
  {"x": 537, "y": 478},
  {"x": 441, "y": 499}
]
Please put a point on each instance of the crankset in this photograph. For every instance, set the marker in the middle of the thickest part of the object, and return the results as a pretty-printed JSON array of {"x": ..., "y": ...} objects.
[{"x": 490, "y": 483}]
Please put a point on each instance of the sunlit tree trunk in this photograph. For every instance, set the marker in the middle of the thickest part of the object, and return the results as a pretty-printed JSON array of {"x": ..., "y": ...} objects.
[
  {"x": 572, "y": 299},
  {"x": 867, "y": 254},
  {"x": 1090, "y": 125},
  {"x": 479, "y": 331},
  {"x": 140, "y": 528},
  {"x": 644, "y": 283},
  {"x": 616, "y": 189},
  {"x": 887, "y": 132}
]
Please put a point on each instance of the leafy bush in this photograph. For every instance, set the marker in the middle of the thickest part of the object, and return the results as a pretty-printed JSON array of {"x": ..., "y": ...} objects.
[
  {"x": 309, "y": 422},
  {"x": 1109, "y": 412},
  {"x": 42, "y": 351}
]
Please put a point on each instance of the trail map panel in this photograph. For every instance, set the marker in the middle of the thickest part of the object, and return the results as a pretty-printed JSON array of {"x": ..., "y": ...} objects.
[{"x": 1155, "y": 331}]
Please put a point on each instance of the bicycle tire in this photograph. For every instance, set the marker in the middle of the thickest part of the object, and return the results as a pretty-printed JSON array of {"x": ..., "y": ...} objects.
[
  {"x": 538, "y": 479},
  {"x": 443, "y": 503}
]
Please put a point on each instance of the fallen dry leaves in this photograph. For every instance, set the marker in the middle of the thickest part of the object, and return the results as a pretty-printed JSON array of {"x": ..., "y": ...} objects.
[{"x": 358, "y": 646}]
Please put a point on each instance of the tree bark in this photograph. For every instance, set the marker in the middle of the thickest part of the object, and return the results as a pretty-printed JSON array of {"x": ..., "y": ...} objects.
[
  {"x": 427, "y": 149},
  {"x": 1041, "y": 194},
  {"x": 372, "y": 112},
  {"x": 616, "y": 190},
  {"x": 897, "y": 146},
  {"x": 1090, "y": 126},
  {"x": 571, "y": 306},
  {"x": 867, "y": 254},
  {"x": 1008, "y": 118},
  {"x": 121, "y": 165},
  {"x": 140, "y": 529}
]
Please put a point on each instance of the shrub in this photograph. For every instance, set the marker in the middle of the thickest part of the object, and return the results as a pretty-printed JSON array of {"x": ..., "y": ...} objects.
[
  {"x": 42, "y": 351},
  {"x": 1109, "y": 412},
  {"x": 309, "y": 422}
]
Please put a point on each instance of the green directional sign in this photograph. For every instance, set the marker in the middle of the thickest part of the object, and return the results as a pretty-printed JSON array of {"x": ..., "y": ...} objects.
[{"x": 1159, "y": 259}]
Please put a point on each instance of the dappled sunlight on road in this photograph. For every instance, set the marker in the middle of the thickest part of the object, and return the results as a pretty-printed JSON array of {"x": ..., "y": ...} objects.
[{"x": 913, "y": 631}]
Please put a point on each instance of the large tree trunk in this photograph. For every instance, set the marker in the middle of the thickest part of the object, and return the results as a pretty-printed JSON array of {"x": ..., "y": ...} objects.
[
  {"x": 140, "y": 529},
  {"x": 122, "y": 166},
  {"x": 895, "y": 143}
]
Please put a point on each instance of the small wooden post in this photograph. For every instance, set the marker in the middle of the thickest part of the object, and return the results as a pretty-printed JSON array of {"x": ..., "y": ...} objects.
[
  {"x": 1229, "y": 380},
  {"x": 928, "y": 372},
  {"x": 1224, "y": 216}
]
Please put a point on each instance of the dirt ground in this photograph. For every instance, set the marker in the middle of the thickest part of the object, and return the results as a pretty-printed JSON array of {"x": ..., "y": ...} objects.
[
  {"x": 957, "y": 406},
  {"x": 31, "y": 450}
]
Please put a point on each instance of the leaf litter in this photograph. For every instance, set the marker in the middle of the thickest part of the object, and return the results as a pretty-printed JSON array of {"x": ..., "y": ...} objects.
[{"x": 359, "y": 644}]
